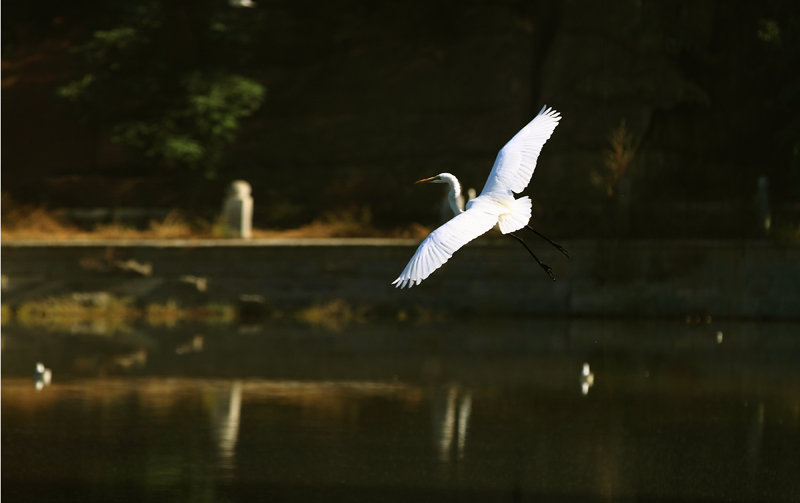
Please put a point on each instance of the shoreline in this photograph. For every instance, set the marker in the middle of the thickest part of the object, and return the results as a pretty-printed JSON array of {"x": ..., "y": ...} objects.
[{"x": 744, "y": 279}]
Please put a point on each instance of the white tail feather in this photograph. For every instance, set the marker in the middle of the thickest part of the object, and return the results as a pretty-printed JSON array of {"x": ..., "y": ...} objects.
[{"x": 517, "y": 218}]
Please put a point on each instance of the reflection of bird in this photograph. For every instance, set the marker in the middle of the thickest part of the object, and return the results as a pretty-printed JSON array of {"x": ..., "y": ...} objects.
[
  {"x": 495, "y": 206},
  {"x": 42, "y": 376}
]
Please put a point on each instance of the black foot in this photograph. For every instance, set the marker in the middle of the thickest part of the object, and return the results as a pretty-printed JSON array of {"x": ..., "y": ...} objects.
[
  {"x": 556, "y": 245},
  {"x": 546, "y": 269}
]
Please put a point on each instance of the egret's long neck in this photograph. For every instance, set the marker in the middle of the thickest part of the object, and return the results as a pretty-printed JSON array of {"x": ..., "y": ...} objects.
[{"x": 454, "y": 196}]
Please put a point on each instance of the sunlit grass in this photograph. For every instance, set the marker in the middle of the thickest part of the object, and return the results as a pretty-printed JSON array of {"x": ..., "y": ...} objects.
[
  {"x": 173, "y": 226},
  {"x": 333, "y": 315},
  {"x": 39, "y": 223},
  {"x": 163, "y": 314},
  {"x": 28, "y": 222},
  {"x": 354, "y": 221},
  {"x": 104, "y": 313},
  {"x": 31, "y": 223},
  {"x": 5, "y": 314},
  {"x": 171, "y": 314}
]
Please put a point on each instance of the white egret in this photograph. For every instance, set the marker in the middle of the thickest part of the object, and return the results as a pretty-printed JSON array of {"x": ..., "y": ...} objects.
[
  {"x": 42, "y": 376},
  {"x": 587, "y": 379},
  {"x": 495, "y": 206}
]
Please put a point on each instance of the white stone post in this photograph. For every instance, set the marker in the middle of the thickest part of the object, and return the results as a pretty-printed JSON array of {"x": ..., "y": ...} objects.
[{"x": 237, "y": 211}]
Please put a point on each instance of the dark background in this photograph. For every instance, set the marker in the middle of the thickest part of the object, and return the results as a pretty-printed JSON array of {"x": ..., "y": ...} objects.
[{"x": 362, "y": 98}]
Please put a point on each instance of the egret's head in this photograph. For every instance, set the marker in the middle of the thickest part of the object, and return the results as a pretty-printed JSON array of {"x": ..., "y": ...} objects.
[
  {"x": 433, "y": 179},
  {"x": 440, "y": 178},
  {"x": 454, "y": 194}
]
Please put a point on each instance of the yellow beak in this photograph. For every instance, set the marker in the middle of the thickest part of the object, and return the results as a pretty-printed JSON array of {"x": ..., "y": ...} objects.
[{"x": 426, "y": 180}]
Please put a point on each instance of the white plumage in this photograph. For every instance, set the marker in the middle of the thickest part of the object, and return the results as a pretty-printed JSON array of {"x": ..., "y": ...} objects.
[{"x": 496, "y": 205}]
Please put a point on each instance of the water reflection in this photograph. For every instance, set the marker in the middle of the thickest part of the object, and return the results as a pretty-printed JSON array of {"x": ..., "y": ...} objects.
[
  {"x": 193, "y": 345},
  {"x": 133, "y": 359},
  {"x": 225, "y": 416},
  {"x": 387, "y": 414},
  {"x": 451, "y": 411},
  {"x": 754, "y": 441}
]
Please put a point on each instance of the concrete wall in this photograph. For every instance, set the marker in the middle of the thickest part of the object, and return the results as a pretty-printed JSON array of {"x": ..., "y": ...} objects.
[{"x": 750, "y": 279}]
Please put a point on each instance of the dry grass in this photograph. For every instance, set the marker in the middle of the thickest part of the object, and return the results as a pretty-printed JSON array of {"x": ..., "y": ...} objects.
[
  {"x": 29, "y": 222},
  {"x": 344, "y": 223},
  {"x": 34, "y": 223},
  {"x": 173, "y": 226},
  {"x": 103, "y": 313},
  {"x": 318, "y": 229},
  {"x": 170, "y": 314},
  {"x": 333, "y": 315},
  {"x": 97, "y": 313},
  {"x": 37, "y": 223},
  {"x": 5, "y": 314}
]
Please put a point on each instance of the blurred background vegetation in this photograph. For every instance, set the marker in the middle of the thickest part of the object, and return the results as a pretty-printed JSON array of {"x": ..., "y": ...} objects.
[{"x": 672, "y": 110}]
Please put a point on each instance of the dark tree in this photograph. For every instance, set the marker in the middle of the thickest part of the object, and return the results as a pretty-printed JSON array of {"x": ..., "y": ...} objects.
[{"x": 166, "y": 78}]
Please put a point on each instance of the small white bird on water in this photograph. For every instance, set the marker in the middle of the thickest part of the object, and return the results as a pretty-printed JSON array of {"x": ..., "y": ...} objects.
[
  {"x": 42, "y": 376},
  {"x": 587, "y": 379},
  {"x": 495, "y": 206}
]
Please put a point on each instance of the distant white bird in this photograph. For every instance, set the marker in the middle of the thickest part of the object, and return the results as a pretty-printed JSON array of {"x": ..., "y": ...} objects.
[
  {"x": 42, "y": 376},
  {"x": 587, "y": 379},
  {"x": 495, "y": 206}
]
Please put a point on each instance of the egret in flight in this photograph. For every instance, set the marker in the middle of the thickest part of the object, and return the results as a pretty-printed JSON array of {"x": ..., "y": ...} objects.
[{"x": 495, "y": 206}]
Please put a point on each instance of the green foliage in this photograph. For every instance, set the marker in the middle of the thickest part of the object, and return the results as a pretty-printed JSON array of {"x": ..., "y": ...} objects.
[
  {"x": 196, "y": 132},
  {"x": 77, "y": 89},
  {"x": 167, "y": 82}
]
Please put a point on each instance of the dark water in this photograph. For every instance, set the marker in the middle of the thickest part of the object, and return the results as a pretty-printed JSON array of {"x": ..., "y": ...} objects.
[{"x": 477, "y": 411}]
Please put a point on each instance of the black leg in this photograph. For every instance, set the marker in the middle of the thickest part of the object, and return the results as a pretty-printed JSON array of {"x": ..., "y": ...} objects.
[
  {"x": 541, "y": 264},
  {"x": 558, "y": 246}
]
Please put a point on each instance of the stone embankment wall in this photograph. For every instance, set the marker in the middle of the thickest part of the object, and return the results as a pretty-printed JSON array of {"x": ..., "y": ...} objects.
[{"x": 742, "y": 279}]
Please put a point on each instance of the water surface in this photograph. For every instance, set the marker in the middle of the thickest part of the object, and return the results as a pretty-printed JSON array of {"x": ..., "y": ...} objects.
[{"x": 486, "y": 410}]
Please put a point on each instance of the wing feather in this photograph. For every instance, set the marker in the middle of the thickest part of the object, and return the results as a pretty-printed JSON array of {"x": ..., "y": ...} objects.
[
  {"x": 440, "y": 244},
  {"x": 513, "y": 168}
]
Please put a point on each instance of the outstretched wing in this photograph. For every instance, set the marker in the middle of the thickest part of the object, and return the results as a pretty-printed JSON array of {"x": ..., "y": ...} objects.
[
  {"x": 516, "y": 161},
  {"x": 440, "y": 244}
]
